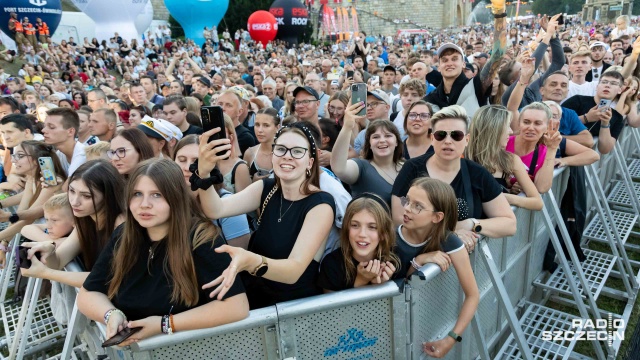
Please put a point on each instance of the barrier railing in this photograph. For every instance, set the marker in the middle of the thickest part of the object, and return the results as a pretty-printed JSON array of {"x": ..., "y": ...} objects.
[{"x": 392, "y": 321}]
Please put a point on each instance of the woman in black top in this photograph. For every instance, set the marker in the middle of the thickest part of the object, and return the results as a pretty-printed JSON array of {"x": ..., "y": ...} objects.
[
  {"x": 296, "y": 217},
  {"x": 417, "y": 126},
  {"x": 479, "y": 195},
  {"x": 365, "y": 255},
  {"x": 156, "y": 263}
]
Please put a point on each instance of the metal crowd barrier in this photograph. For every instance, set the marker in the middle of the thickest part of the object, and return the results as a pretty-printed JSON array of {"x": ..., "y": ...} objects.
[{"x": 392, "y": 320}]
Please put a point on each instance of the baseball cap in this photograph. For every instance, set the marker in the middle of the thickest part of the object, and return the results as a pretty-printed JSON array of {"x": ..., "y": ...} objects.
[
  {"x": 470, "y": 67},
  {"x": 165, "y": 84},
  {"x": 448, "y": 46},
  {"x": 598, "y": 43},
  {"x": 481, "y": 55},
  {"x": 380, "y": 95},
  {"x": 308, "y": 89},
  {"x": 206, "y": 82},
  {"x": 159, "y": 129},
  {"x": 241, "y": 92},
  {"x": 390, "y": 68}
]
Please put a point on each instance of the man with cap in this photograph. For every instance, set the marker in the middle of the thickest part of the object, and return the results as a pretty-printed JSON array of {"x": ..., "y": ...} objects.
[
  {"x": 306, "y": 102},
  {"x": 456, "y": 88},
  {"x": 201, "y": 86},
  {"x": 162, "y": 135},
  {"x": 269, "y": 90},
  {"x": 480, "y": 59},
  {"x": 598, "y": 67},
  {"x": 165, "y": 88},
  {"x": 389, "y": 80},
  {"x": 469, "y": 70},
  {"x": 313, "y": 81}
]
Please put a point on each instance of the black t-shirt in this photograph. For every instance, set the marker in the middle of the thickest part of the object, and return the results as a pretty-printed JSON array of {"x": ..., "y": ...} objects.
[
  {"x": 582, "y": 104},
  {"x": 440, "y": 98},
  {"x": 484, "y": 187},
  {"x": 146, "y": 291},
  {"x": 406, "y": 251},
  {"x": 275, "y": 240},
  {"x": 333, "y": 274},
  {"x": 192, "y": 130},
  {"x": 245, "y": 138}
]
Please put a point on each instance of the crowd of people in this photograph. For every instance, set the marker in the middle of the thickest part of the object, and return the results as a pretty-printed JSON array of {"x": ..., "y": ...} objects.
[{"x": 308, "y": 191}]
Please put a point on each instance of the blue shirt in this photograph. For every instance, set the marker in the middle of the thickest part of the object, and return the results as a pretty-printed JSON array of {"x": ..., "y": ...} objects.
[{"x": 570, "y": 124}]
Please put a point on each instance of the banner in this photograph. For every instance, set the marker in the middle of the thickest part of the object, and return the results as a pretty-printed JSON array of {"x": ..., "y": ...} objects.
[
  {"x": 332, "y": 16},
  {"x": 354, "y": 17}
]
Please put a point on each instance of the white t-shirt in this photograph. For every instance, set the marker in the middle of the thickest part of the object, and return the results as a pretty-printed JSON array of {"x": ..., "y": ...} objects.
[
  {"x": 587, "y": 89},
  {"x": 78, "y": 158}
]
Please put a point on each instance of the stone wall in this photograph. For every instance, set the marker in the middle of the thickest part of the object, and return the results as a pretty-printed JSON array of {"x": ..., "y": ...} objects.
[
  {"x": 380, "y": 16},
  {"x": 160, "y": 11},
  {"x": 607, "y": 10}
]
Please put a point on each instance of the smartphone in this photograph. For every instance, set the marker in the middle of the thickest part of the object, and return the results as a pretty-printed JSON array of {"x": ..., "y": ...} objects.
[
  {"x": 23, "y": 252},
  {"x": 121, "y": 336},
  {"x": 48, "y": 171},
  {"x": 375, "y": 80},
  {"x": 349, "y": 74},
  {"x": 359, "y": 94},
  {"x": 213, "y": 117},
  {"x": 561, "y": 20},
  {"x": 604, "y": 104}
]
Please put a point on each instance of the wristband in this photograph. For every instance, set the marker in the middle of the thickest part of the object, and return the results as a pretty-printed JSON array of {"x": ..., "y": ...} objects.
[
  {"x": 498, "y": 16},
  {"x": 215, "y": 178},
  {"x": 605, "y": 126},
  {"x": 415, "y": 265}
]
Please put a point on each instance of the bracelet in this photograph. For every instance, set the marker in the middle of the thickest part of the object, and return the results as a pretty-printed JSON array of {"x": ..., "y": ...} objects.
[
  {"x": 521, "y": 83},
  {"x": 165, "y": 325},
  {"x": 498, "y": 16},
  {"x": 107, "y": 315},
  {"x": 584, "y": 116},
  {"x": 605, "y": 126},
  {"x": 415, "y": 264}
]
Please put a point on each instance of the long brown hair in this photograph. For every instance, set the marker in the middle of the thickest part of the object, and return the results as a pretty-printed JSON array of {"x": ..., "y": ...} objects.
[
  {"x": 386, "y": 233},
  {"x": 185, "y": 220},
  {"x": 100, "y": 177},
  {"x": 443, "y": 199}
]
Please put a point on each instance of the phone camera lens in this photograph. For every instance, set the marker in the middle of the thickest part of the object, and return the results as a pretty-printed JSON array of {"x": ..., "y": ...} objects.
[{"x": 354, "y": 88}]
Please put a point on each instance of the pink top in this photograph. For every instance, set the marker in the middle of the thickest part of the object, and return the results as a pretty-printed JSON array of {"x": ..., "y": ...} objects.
[{"x": 526, "y": 159}]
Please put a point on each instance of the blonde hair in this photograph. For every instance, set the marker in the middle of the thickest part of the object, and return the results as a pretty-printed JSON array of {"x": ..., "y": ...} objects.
[
  {"x": 97, "y": 150},
  {"x": 450, "y": 112},
  {"x": 193, "y": 105},
  {"x": 581, "y": 54},
  {"x": 485, "y": 136},
  {"x": 57, "y": 202}
]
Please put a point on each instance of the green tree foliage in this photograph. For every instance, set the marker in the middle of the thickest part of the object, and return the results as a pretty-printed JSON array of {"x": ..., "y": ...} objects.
[
  {"x": 239, "y": 12},
  {"x": 555, "y": 6},
  {"x": 176, "y": 28}
]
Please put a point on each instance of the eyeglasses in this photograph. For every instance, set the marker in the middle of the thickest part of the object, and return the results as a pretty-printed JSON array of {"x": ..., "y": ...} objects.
[
  {"x": 607, "y": 82},
  {"x": 414, "y": 208},
  {"x": 456, "y": 135},
  {"x": 374, "y": 104},
  {"x": 120, "y": 153},
  {"x": 18, "y": 156},
  {"x": 423, "y": 116},
  {"x": 296, "y": 152},
  {"x": 303, "y": 102}
]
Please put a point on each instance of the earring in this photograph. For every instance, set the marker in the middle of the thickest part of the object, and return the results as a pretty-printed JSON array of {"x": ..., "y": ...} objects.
[{"x": 308, "y": 173}]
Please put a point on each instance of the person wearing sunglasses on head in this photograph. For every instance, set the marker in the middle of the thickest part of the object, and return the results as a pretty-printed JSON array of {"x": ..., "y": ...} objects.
[{"x": 482, "y": 208}]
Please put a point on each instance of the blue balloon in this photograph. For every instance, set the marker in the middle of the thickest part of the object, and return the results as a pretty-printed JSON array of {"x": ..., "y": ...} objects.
[
  {"x": 194, "y": 15},
  {"x": 50, "y": 11}
]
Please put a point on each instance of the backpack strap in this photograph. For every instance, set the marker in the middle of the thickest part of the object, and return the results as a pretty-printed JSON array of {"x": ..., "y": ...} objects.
[
  {"x": 534, "y": 162},
  {"x": 233, "y": 171}
]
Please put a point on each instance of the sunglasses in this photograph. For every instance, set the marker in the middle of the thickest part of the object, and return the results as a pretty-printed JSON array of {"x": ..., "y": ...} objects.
[{"x": 456, "y": 135}]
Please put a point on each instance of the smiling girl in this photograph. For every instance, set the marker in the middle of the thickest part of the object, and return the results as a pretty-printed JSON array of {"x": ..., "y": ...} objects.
[{"x": 366, "y": 240}]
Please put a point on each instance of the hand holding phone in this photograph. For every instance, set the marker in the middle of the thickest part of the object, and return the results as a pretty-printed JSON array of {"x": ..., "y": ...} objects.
[
  {"x": 121, "y": 336},
  {"x": 213, "y": 117},
  {"x": 359, "y": 94},
  {"x": 48, "y": 170}
]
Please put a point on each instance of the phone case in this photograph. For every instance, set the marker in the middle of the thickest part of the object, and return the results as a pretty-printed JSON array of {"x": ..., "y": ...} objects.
[
  {"x": 121, "y": 336},
  {"x": 359, "y": 94},
  {"x": 48, "y": 171}
]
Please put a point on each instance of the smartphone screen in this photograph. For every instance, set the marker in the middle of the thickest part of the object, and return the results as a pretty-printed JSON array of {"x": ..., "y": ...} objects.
[
  {"x": 349, "y": 74},
  {"x": 123, "y": 335},
  {"x": 359, "y": 94}
]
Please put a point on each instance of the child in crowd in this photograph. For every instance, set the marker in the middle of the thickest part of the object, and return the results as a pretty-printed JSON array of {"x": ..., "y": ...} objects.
[
  {"x": 427, "y": 235},
  {"x": 366, "y": 241},
  {"x": 97, "y": 151},
  {"x": 59, "y": 225}
]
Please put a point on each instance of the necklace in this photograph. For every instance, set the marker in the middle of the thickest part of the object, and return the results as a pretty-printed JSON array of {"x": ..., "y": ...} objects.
[
  {"x": 285, "y": 212},
  {"x": 152, "y": 250},
  {"x": 392, "y": 178}
]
